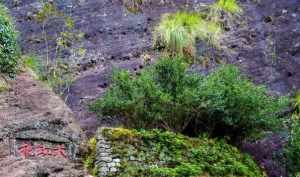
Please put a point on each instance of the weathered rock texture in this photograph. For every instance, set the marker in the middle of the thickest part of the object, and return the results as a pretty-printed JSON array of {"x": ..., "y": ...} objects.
[
  {"x": 106, "y": 161},
  {"x": 264, "y": 43},
  {"x": 267, "y": 47},
  {"x": 32, "y": 114},
  {"x": 112, "y": 34}
]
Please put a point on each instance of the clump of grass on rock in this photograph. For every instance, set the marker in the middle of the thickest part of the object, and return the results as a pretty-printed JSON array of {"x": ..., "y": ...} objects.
[
  {"x": 178, "y": 32},
  {"x": 9, "y": 51},
  {"x": 230, "y": 6}
]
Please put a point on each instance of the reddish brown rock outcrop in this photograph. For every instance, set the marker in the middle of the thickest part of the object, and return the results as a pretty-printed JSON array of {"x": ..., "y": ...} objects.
[{"x": 38, "y": 134}]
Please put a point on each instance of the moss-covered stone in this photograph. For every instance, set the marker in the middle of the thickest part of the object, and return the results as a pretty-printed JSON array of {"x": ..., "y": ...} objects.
[{"x": 166, "y": 154}]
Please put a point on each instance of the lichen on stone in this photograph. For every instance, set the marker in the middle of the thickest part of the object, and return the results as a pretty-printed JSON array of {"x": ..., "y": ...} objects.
[{"x": 153, "y": 153}]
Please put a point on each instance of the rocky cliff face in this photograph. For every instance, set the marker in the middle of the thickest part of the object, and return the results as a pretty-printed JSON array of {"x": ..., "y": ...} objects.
[
  {"x": 267, "y": 48},
  {"x": 264, "y": 43},
  {"x": 266, "y": 39},
  {"x": 38, "y": 133}
]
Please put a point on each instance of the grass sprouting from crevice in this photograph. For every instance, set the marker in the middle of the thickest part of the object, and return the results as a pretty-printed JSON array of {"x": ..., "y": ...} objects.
[{"x": 178, "y": 32}]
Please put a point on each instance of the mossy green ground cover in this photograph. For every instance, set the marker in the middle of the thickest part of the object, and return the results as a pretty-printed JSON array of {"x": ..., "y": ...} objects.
[{"x": 165, "y": 154}]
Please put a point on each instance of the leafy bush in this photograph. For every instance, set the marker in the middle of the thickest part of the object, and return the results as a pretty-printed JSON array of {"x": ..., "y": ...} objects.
[
  {"x": 166, "y": 154},
  {"x": 234, "y": 105},
  {"x": 178, "y": 32},
  {"x": 9, "y": 51},
  {"x": 293, "y": 149},
  {"x": 167, "y": 96}
]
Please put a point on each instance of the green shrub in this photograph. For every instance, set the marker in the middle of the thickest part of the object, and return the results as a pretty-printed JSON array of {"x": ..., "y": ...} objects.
[
  {"x": 9, "y": 51},
  {"x": 166, "y": 154},
  {"x": 167, "y": 96},
  {"x": 235, "y": 106},
  {"x": 293, "y": 149},
  {"x": 178, "y": 32}
]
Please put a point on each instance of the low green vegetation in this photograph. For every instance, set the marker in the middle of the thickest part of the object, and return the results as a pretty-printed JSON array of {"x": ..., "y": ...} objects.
[
  {"x": 168, "y": 96},
  {"x": 59, "y": 76},
  {"x": 33, "y": 63},
  {"x": 166, "y": 154},
  {"x": 292, "y": 150},
  {"x": 90, "y": 158},
  {"x": 9, "y": 50},
  {"x": 178, "y": 33}
]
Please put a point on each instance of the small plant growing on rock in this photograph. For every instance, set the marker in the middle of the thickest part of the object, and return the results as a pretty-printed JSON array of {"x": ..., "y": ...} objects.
[
  {"x": 178, "y": 33},
  {"x": 59, "y": 73},
  {"x": 9, "y": 50},
  {"x": 230, "y": 6}
]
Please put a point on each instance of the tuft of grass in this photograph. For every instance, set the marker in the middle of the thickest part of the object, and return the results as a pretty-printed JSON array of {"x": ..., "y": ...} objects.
[
  {"x": 229, "y": 8},
  {"x": 34, "y": 64},
  {"x": 178, "y": 32}
]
